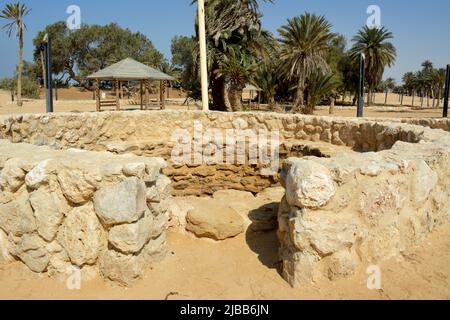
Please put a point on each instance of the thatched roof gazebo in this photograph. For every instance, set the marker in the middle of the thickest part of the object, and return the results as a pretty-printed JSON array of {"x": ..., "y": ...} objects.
[
  {"x": 130, "y": 70},
  {"x": 251, "y": 90}
]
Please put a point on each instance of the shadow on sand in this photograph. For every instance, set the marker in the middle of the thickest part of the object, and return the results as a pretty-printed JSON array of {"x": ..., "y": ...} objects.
[{"x": 261, "y": 236}]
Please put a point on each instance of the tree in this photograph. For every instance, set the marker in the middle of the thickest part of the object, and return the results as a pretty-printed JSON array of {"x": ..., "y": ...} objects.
[
  {"x": 76, "y": 54},
  {"x": 183, "y": 49},
  {"x": 237, "y": 68},
  {"x": 379, "y": 53},
  {"x": 388, "y": 86},
  {"x": 230, "y": 24},
  {"x": 15, "y": 14},
  {"x": 319, "y": 86},
  {"x": 304, "y": 47}
]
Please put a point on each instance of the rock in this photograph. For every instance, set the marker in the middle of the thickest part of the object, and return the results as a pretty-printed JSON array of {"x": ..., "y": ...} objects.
[
  {"x": 17, "y": 216},
  {"x": 218, "y": 224},
  {"x": 155, "y": 250},
  {"x": 324, "y": 234},
  {"x": 298, "y": 268},
  {"x": 49, "y": 209},
  {"x": 5, "y": 256},
  {"x": 131, "y": 238},
  {"x": 36, "y": 177},
  {"x": 121, "y": 203},
  {"x": 342, "y": 265},
  {"x": 12, "y": 176},
  {"x": 134, "y": 170},
  {"x": 122, "y": 269},
  {"x": 75, "y": 186},
  {"x": 161, "y": 190},
  {"x": 265, "y": 218},
  {"x": 424, "y": 181},
  {"x": 308, "y": 184},
  {"x": 30, "y": 248},
  {"x": 82, "y": 235}
]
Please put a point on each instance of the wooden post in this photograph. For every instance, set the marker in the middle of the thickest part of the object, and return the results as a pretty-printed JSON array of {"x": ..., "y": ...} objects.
[
  {"x": 142, "y": 94},
  {"x": 203, "y": 57},
  {"x": 259, "y": 100},
  {"x": 117, "y": 96},
  {"x": 147, "y": 95},
  {"x": 162, "y": 94},
  {"x": 121, "y": 89},
  {"x": 97, "y": 95}
]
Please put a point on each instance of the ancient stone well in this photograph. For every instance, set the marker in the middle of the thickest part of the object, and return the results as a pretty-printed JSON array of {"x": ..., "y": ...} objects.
[{"x": 96, "y": 195}]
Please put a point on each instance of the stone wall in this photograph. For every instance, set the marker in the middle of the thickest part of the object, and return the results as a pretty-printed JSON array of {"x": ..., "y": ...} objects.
[
  {"x": 94, "y": 211},
  {"x": 150, "y": 134},
  {"x": 358, "y": 209}
]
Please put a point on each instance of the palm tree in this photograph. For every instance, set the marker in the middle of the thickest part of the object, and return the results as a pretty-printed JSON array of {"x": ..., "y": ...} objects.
[
  {"x": 304, "y": 47},
  {"x": 230, "y": 23},
  {"x": 388, "y": 86},
  {"x": 15, "y": 13},
  {"x": 373, "y": 43},
  {"x": 266, "y": 79},
  {"x": 237, "y": 68},
  {"x": 319, "y": 86}
]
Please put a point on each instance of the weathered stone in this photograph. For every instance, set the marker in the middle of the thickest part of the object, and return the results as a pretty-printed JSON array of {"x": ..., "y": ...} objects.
[
  {"x": 16, "y": 217},
  {"x": 134, "y": 170},
  {"x": 424, "y": 181},
  {"x": 218, "y": 224},
  {"x": 76, "y": 186},
  {"x": 131, "y": 238},
  {"x": 122, "y": 269},
  {"x": 82, "y": 235},
  {"x": 308, "y": 184},
  {"x": 155, "y": 250},
  {"x": 342, "y": 265},
  {"x": 160, "y": 190},
  {"x": 121, "y": 203},
  {"x": 265, "y": 218},
  {"x": 40, "y": 174},
  {"x": 49, "y": 206},
  {"x": 324, "y": 234},
  {"x": 5, "y": 256},
  {"x": 298, "y": 268},
  {"x": 12, "y": 176},
  {"x": 30, "y": 248}
]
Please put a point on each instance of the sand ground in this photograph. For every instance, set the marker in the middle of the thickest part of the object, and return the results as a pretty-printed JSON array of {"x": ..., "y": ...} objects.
[
  {"x": 74, "y": 100},
  {"x": 245, "y": 268}
]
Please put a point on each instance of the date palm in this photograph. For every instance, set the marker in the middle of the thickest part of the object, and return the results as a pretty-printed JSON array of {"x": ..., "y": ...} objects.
[
  {"x": 238, "y": 69},
  {"x": 379, "y": 52},
  {"x": 14, "y": 13},
  {"x": 320, "y": 86},
  {"x": 304, "y": 47}
]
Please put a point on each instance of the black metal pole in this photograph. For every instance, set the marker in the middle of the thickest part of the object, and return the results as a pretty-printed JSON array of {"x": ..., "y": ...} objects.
[
  {"x": 360, "y": 113},
  {"x": 446, "y": 94},
  {"x": 48, "y": 73}
]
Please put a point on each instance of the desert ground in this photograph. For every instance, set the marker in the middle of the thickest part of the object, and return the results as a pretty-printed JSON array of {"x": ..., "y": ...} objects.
[
  {"x": 75, "y": 100},
  {"x": 245, "y": 267}
]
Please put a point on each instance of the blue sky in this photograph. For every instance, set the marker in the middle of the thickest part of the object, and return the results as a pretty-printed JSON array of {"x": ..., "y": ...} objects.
[{"x": 420, "y": 27}]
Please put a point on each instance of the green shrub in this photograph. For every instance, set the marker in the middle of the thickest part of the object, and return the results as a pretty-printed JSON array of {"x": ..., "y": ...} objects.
[{"x": 30, "y": 88}]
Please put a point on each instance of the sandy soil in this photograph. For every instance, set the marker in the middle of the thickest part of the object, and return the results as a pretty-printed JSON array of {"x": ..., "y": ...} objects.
[
  {"x": 74, "y": 100},
  {"x": 246, "y": 268}
]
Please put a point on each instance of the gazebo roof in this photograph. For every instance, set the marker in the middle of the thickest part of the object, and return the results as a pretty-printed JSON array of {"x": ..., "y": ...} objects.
[
  {"x": 129, "y": 69},
  {"x": 250, "y": 87}
]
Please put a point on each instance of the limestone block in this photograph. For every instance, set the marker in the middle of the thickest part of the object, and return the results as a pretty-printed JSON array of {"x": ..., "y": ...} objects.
[{"x": 124, "y": 202}]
